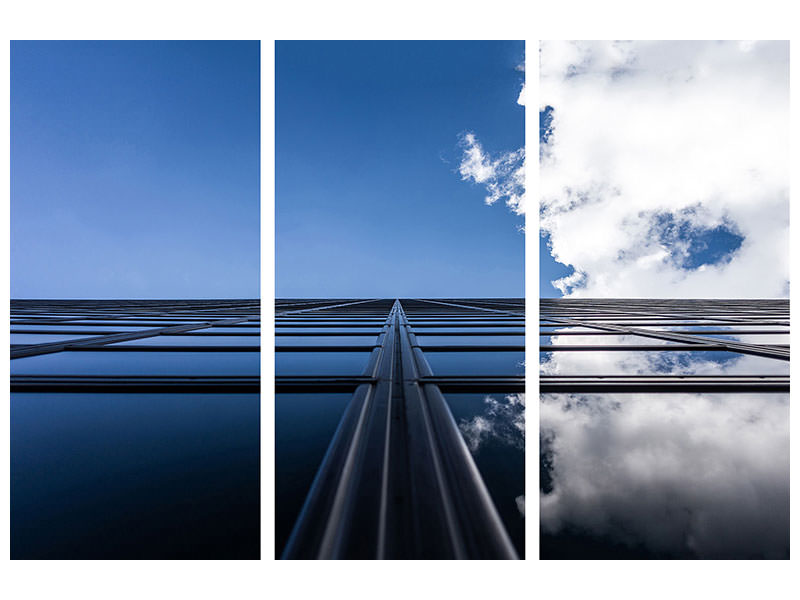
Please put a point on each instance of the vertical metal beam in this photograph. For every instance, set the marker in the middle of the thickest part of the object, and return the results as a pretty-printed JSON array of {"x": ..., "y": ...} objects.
[{"x": 398, "y": 480}]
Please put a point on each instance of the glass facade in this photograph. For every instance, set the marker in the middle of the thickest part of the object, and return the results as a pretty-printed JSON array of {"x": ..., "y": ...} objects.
[
  {"x": 134, "y": 442},
  {"x": 664, "y": 429},
  {"x": 400, "y": 428}
]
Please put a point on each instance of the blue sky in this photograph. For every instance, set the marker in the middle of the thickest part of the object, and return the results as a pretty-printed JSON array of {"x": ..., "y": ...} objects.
[
  {"x": 135, "y": 169},
  {"x": 369, "y": 201}
]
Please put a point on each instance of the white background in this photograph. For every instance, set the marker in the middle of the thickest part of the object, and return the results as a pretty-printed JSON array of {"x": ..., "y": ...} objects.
[{"x": 412, "y": 19}]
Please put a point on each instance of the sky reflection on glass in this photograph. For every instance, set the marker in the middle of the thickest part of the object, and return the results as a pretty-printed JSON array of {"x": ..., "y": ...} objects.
[
  {"x": 134, "y": 476},
  {"x": 320, "y": 363},
  {"x": 671, "y": 476},
  {"x": 493, "y": 426},
  {"x": 304, "y": 426},
  {"x": 476, "y": 363},
  {"x": 138, "y": 363}
]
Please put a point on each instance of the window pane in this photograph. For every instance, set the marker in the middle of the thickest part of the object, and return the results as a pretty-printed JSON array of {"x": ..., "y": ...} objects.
[
  {"x": 194, "y": 340},
  {"x": 77, "y": 328},
  {"x": 134, "y": 476},
  {"x": 664, "y": 476},
  {"x": 320, "y": 363},
  {"x": 643, "y": 362},
  {"x": 471, "y": 340},
  {"x": 493, "y": 426},
  {"x": 36, "y": 338},
  {"x": 304, "y": 427},
  {"x": 476, "y": 363},
  {"x": 138, "y": 363}
]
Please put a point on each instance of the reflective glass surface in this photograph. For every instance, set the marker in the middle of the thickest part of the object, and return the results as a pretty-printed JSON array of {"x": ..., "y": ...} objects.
[
  {"x": 644, "y": 361},
  {"x": 326, "y": 340},
  {"x": 320, "y": 363},
  {"x": 664, "y": 476},
  {"x": 78, "y": 328},
  {"x": 138, "y": 363},
  {"x": 43, "y": 338},
  {"x": 344, "y": 330},
  {"x": 304, "y": 427},
  {"x": 493, "y": 426},
  {"x": 149, "y": 323},
  {"x": 442, "y": 329},
  {"x": 232, "y": 330},
  {"x": 471, "y": 340},
  {"x": 194, "y": 340},
  {"x": 127, "y": 476},
  {"x": 476, "y": 363}
]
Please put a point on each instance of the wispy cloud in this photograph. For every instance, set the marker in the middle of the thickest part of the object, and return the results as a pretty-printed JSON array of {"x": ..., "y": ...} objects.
[
  {"x": 502, "y": 421},
  {"x": 521, "y": 97},
  {"x": 653, "y": 139},
  {"x": 503, "y": 175}
]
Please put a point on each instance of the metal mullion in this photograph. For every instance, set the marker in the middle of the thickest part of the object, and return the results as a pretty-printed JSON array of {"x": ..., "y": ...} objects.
[
  {"x": 369, "y": 348},
  {"x": 465, "y": 326},
  {"x": 471, "y": 348},
  {"x": 474, "y": 528},
  {"x": 291, "y": 312},
  {"x": 110, "y": 339},
  {"x": 331, "y": 523},
  {"x": 396, "y": 440},
  {"x": 672, "y": 346},
  {"x": 573, "y": 384},
  {"x": 469, "y": 333},
  {"x": 477, "y": 383},
  {"x": 692, "y": 339},
  {"x": 492, "y": 310},
  {"x": 320, "y": 384},
  {"x": 132, "y": 383},
  {"x": 312, "y": 325},
  {"x": 711, "y": 331},
  {"x": 157, "y": 348},
  {"x": 324, "y": 333}
]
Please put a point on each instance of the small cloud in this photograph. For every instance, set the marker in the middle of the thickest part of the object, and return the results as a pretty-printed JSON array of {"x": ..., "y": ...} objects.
[
  {"x": 521, "y": 98},
  {"x": 503, "y": 176},
  {"x": 520, "y": 500},
  {"x": 503, "y": 421}
]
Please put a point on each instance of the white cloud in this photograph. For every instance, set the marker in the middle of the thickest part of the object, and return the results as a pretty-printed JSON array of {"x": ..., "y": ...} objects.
[
  {"x": 502, "y": 421},
  {"x": 521, "y": 97},
  {"x": 696, "y": 130},
  {"x": 520, "y": 500},
  {"x": 503, "y": 176},
  {"x": 620, "y": 362},
  {"x": 681, "y": 474}
]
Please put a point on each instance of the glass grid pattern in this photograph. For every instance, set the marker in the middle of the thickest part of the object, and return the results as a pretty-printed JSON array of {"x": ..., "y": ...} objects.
[
  {"x": 135, "y": 420},
  {"x": 453, "y": 345},
  {"x": 655, "y": 415}
]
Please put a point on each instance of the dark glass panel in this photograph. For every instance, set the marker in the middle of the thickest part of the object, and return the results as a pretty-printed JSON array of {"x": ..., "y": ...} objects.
[
  {"x": 127, "y": 476},
  {"x": 138, "y": 363},
  {"x": 493, "y": 426},
  {"x": 304, "y": 427},
  {"x": 476, "y": 363},
  {"x": 320, "y": 363}
]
